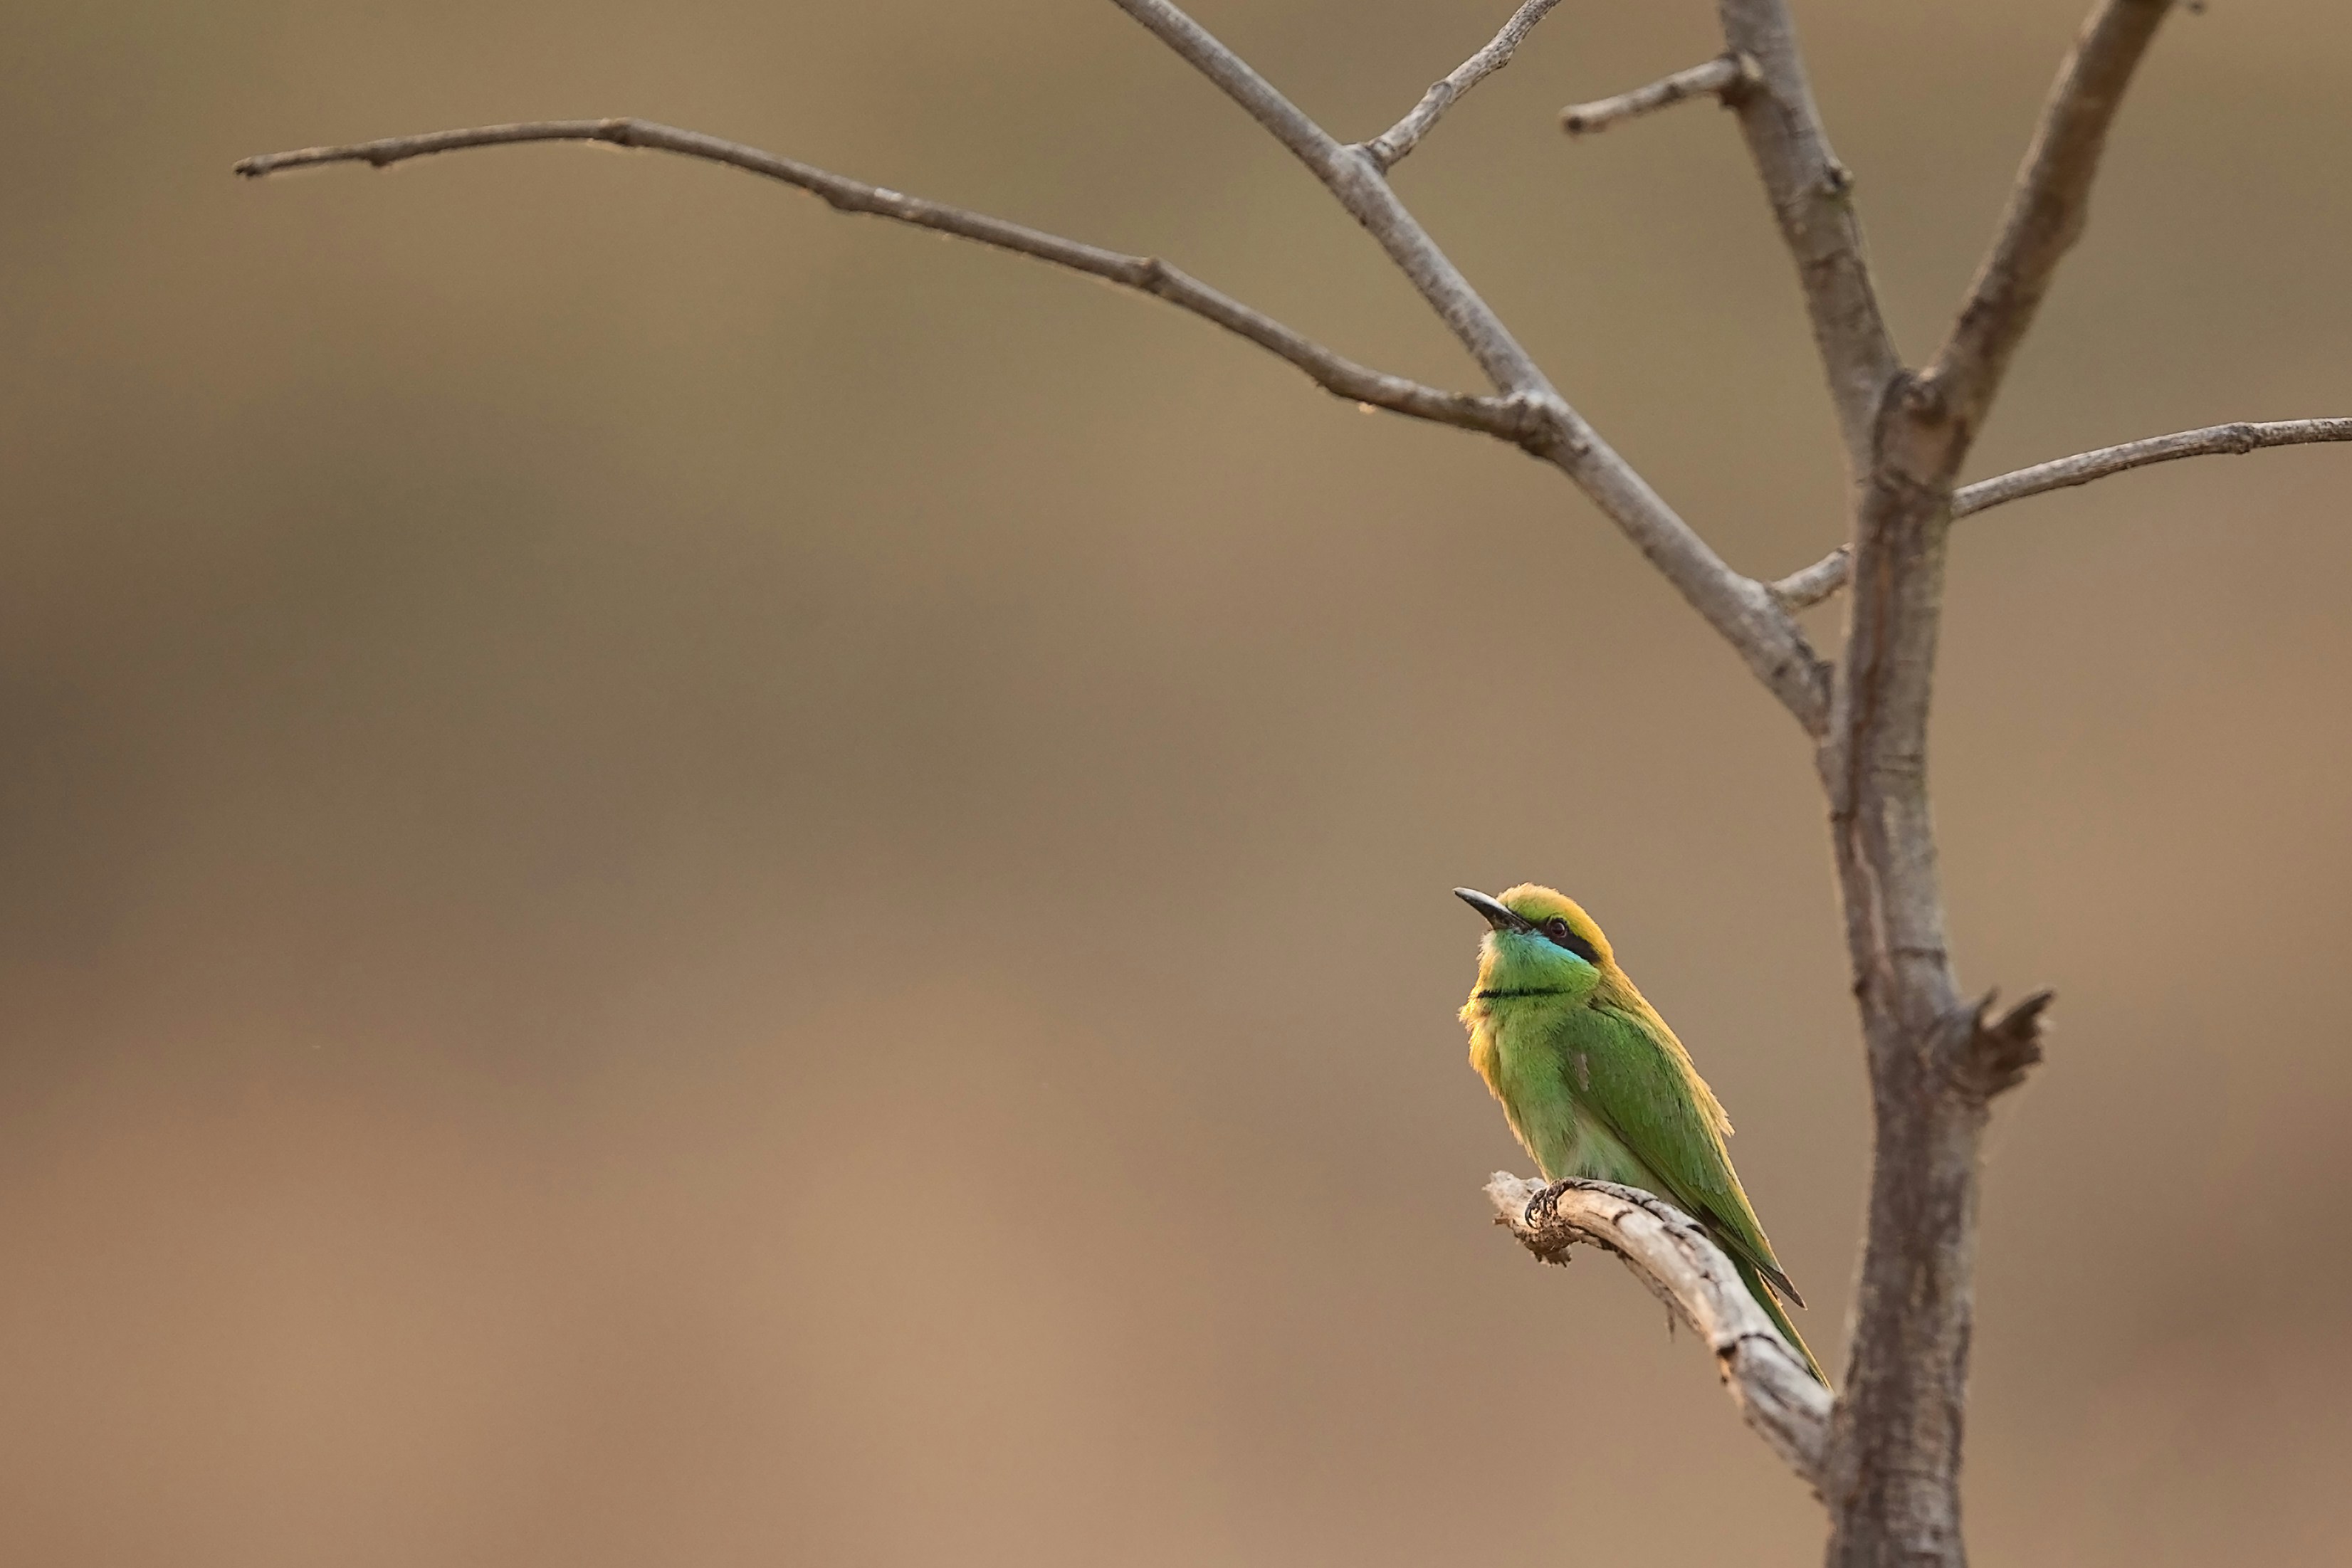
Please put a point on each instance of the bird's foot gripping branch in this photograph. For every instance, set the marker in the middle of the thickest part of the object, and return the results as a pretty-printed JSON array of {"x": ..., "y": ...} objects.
[{"x": 1673, "y": 1257}]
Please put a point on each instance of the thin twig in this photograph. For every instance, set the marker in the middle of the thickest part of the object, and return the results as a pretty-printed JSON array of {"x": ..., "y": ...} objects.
[
  {"x": 1725, "y": 77},
  {"x": 1803, "y": 590},
  {"x": 1147, "y": 274},
  {"x": 1390, "y": 146},
  {"x": 1736, "y": 606},
  {"x": 2048, "y": 206},
  {"x": 1673, "y": 1256},
  {"x": 2214, "y": 440},
  {"x": 1816, "y": 582},
  {"x": 1811, "y": 196}
]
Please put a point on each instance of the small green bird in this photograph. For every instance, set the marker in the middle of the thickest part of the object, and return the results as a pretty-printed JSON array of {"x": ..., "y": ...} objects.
[{"x": 1596, "y": 1085}]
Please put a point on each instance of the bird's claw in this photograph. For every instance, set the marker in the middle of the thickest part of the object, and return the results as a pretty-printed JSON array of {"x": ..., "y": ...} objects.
[{"x": 1543, "y": 1209}]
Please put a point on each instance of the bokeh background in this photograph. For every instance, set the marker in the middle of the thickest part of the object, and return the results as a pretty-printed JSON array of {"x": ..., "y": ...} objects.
[{"x": 684, "y": 881}]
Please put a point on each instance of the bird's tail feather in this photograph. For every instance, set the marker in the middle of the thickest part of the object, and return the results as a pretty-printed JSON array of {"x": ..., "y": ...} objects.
[{"x": 1772, "y": 1309}]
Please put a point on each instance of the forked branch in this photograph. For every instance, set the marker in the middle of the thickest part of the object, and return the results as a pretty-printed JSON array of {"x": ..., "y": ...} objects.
[
  {"x": 1390, "y": 146},
  {"x": 1816, "y": 582},
  {"x": 1894, "y": 1495},
  {"x": 1352, "y": 176},
  {"x": 1735, "y": 605},
  {"x": 1146, "y": 275},
  {"x": 1674, "y": 1259}
]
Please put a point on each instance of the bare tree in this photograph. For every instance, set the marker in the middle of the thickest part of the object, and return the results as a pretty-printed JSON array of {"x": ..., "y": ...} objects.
[{"x": 1884, "y": 1456}]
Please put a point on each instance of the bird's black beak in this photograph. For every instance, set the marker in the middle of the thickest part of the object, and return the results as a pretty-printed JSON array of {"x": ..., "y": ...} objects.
[{"x": 1498, "y": 917}]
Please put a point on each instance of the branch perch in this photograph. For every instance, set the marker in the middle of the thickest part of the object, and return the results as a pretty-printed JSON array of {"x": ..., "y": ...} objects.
[
  {"x": 1674, "y": 1259},
  {"x": 1816, "y": 582},
  {"x": 1725, "y": 77},
  {"x": 1389, "y": 147},
  {"x": 1146, "y": 275}
]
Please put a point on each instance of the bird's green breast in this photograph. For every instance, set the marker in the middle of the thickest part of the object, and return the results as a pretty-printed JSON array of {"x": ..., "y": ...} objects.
[{"x": 1527, "y": 1050}]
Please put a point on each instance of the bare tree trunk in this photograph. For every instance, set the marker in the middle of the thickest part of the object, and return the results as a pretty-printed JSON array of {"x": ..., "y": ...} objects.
[
  {"x": 1935, "y": 1061},
  {"x": 1894, "y": 1492}
]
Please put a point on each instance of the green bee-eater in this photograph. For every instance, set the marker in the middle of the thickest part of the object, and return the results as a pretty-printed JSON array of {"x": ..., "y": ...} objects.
[{"x": 1596, "y": 1085}]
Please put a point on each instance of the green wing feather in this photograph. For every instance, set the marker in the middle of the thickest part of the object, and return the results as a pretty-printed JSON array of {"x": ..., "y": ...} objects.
[{"x": 1635, "y": 1076}]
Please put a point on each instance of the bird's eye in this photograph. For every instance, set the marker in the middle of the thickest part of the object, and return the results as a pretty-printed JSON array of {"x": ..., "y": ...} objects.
[{"x": 1562, "y": 935}]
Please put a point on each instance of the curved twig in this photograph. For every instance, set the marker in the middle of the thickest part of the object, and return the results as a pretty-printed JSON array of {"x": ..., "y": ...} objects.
[
  {"x": 1803, "y": 590},
  {"x": 1816, "y": 582},
  {"x": 1147, "y": 274},
  {"x": 1674, "y": 1259},
  {"x": 1390, "y": 146}
]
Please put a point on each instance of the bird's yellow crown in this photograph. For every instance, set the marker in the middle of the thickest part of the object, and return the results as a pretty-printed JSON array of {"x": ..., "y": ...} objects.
[{"x": 1538, "y": 905}]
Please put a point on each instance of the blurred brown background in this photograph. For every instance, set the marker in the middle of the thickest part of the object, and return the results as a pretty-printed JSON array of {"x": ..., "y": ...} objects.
[{"x": 689, "y": 881}]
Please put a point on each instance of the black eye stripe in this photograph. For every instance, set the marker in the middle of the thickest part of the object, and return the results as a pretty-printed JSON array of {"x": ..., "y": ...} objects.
[{"x": 1557, "y": 931}]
